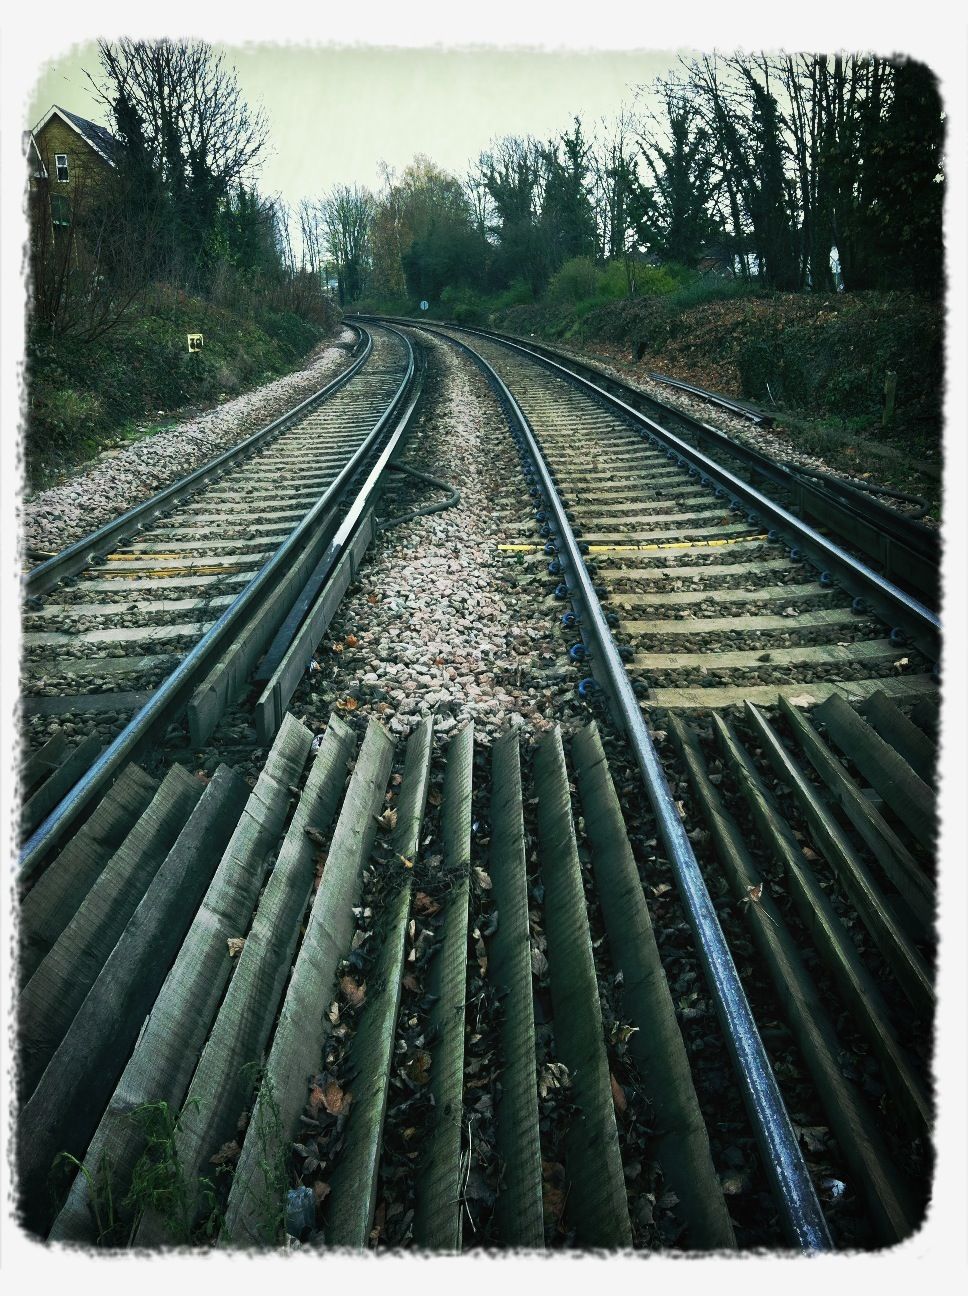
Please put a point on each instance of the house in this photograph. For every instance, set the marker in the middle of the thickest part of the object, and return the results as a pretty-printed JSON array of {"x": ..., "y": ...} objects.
[
  {"x": 717, "y": 259},
  {"x": 68, "y": 159}
]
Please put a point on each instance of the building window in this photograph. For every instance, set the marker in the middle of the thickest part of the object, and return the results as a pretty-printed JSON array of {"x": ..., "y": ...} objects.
[
  {"x": 60, "y": 161},
  {"x": 60, "y": 209}
]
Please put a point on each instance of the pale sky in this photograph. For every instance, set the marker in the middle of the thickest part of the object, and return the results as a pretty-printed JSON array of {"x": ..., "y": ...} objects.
[{"x": 335, "y": 113}]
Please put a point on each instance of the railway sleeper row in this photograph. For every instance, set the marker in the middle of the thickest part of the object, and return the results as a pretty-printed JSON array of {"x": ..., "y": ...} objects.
[
  {"x": 225, "y": 989},
  {"x": 134, "y": 1008}
]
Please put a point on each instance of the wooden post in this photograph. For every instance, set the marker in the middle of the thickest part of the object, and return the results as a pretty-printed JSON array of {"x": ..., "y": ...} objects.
[{"x": 890, "y": 390}]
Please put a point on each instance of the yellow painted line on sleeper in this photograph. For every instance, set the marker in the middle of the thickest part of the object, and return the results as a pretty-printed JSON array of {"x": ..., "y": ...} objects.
[
  {"x": 138, "y": 557},
  {"x": 143, "y": 573},
  {"x": 618, "y": 549}
]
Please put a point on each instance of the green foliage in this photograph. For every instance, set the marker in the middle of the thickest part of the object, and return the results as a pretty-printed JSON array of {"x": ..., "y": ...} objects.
[
  {"x": 519, "y": 293},
  {"x": 69, "y": 415},
  {"x": 273, "y": 1148},
  {"x": 675, "y": 209},
  {"x": 576, "y": 280},
  {"x": 157, "y": 1186},
  {"x": 822, "y": 356},
  {"x": 157, "y": 1182},
  {"x": 697, "y": 291},
  {"x": 100, "y": 1189},
  {"x": 81, "y": 395}
]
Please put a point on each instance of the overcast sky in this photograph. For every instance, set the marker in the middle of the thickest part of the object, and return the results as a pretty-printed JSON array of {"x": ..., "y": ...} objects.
[{"x": 335, "y": 113}]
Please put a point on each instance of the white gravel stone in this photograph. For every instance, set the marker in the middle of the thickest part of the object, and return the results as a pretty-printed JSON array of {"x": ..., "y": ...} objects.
[{"x": 459, "y": 627}]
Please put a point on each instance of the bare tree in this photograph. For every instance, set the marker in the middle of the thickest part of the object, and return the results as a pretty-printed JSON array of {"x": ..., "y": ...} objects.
[
  {"x": 346, "y": 215},
  {"x": 192, "y": 124}
]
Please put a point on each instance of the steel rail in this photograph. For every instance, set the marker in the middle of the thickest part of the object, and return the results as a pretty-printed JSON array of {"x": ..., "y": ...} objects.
[
  {"x": 762, "y": 418},
  {"x": 173, "y": 694},
  {"x": 323, "y": 570},
  {"x": 77, "y": 557},
  {"x": 892, "y": 603},
  {"x": 802, "y": 1216}
]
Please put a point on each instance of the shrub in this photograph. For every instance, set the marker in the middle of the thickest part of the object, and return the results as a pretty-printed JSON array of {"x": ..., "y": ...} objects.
[
  {"x": 576, "y": 280},
  {"x": 519, "y": 293},
  {"x": 80, "y": 392},
  {"x": 67, "y": 417}
]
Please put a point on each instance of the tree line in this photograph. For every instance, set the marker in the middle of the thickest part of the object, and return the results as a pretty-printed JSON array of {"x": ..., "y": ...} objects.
[
  {"x": 784, "y": 170},
  {"x": 771, "y": 167}
]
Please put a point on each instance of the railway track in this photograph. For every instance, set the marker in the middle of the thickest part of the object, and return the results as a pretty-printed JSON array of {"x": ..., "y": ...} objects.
[
  {"x": 168, "y": 609},
  {"x": 429, "y": 1003},
  {"x": 128, "y": 617}
]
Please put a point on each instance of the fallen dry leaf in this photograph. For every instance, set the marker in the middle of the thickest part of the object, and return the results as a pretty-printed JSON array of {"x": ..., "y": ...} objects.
[
  {"x": 320, "y": 1191},
  {"x": 226, "y": 1154},
  {"x": 813, "y": 1137},
  {"x": 351, "y": 641},
  {"x": 348, "y": 704},
  {"x": 417, "y": 1067},
  {"x": 372, "y": 598},
  {"x": 803, "y": 700},
  {"x": 355, "y": 994},
  {"x": 424, "y": 905},
  {"x": 554, "y": 1076},
  {"x": 482, "y": 877},
  {"x": 336, "y": 1100},
  {"x": 236, "y": 945},
  {"x": 388, "y": 819},
  {"x": 618, "y": 1094}
]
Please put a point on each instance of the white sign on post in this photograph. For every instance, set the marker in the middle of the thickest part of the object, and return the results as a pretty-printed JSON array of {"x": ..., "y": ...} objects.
[{"x": 195, "y": 341}]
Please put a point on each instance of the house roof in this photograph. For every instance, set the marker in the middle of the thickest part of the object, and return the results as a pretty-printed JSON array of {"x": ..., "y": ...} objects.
[
  {"x": 32, "y": 153},
  {"x": 98, "y": 137}
]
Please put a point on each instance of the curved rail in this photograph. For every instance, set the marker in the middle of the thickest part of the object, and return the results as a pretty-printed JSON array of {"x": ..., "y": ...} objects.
[
  {"x": 78, "y": 556},
  {"x": 749, "y": 412},
  {"x": 803, "y": 1217},
  {"x": 894, "y": 605},
  {"x": 170, "y": 698},
  {"x": 906, "y": 548}
]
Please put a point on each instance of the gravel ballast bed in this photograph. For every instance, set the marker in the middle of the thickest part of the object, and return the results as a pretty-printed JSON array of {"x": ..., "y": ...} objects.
[
  {"x": 118, "y": 480},
  {"x": 441, "y": 620}
]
